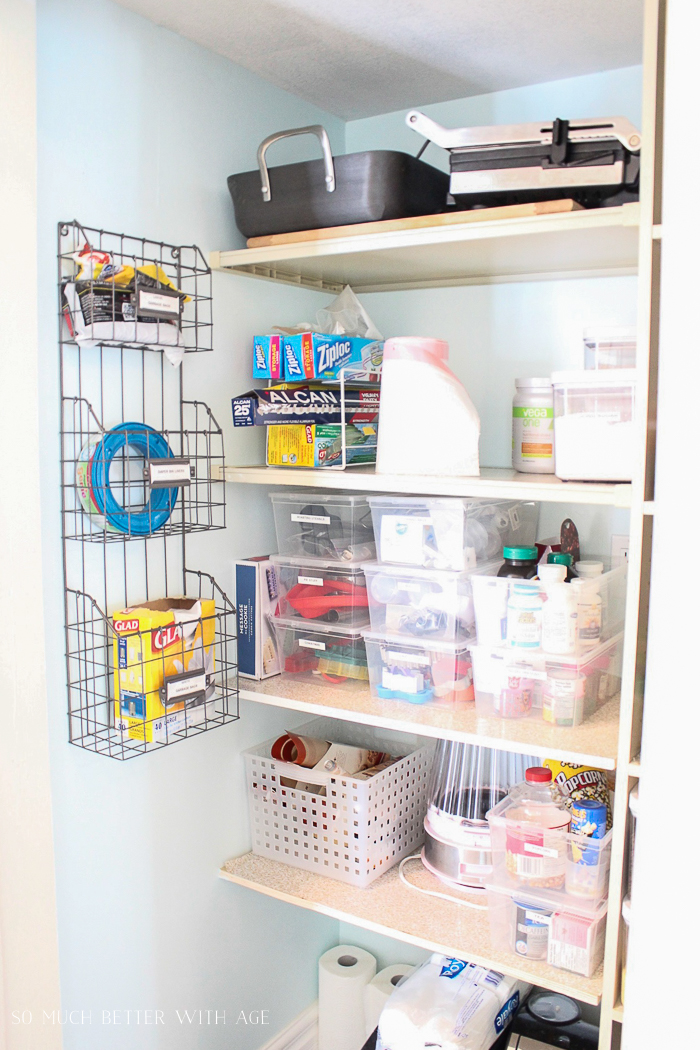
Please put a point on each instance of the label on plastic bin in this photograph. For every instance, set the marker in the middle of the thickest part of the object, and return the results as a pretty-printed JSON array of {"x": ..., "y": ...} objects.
[
  {"x": 313, "y": 519},
  {"x": 540, "y": 851},
  {"x": 312, "y": 581},
  {"x": 307, "y": 643},
  {"x": 407, "y": 658}
]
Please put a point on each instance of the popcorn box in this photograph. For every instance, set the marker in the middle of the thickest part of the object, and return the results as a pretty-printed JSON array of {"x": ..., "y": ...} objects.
[{"x": 163, "y": 654}]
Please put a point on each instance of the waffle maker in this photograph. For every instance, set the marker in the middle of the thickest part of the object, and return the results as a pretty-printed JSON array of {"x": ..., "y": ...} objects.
[{"x": 594, "y": 162}]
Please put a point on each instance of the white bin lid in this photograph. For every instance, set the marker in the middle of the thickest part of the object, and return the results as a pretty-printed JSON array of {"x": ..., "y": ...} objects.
[{"x": 596, "y": 377}]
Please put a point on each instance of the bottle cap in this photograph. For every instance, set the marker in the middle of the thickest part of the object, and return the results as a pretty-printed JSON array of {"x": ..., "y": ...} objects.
[
  {"x": 550, "y": 574},
  {"x": 560, "y": 559},
  {"x": 533, "y": 384},
  {"x": 589, "y": 568},
  {"x": 538, "y": 775},
  {"x": 520, "y": 553}
]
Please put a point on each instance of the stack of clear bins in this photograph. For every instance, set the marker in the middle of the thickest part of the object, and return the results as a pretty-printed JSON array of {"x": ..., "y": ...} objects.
[
  {"x": 514, "y": 674},
  {"x": 420, "y": 591},
  {"x": 321, "y": 598},
  {"x": 548, "y": 892}
]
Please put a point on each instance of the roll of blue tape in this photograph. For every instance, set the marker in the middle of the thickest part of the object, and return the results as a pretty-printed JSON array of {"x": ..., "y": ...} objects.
[{"x": 151, "y": 445}]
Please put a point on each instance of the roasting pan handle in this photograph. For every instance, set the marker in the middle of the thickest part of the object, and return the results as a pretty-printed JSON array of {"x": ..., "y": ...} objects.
[{"x": 313, "y": 129}]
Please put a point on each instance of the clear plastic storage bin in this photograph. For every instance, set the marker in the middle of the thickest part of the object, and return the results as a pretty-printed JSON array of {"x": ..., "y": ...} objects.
[
  {"x": 612, "y": 347},
  {"x": 424, "y": 604},
  {"x": 325, "y": 527},
  {"x": 561, "y": 867},
  {"x": 434, "y": 533},
  {"x": 545, "y": 931},
  {"x": 349, "y": 829},
  {"x": 498, "y": 611},
  {"x": 325, "y": 592},
  {"x": 419, "y": 673},
  {"x": 594, "y": 425},
  {"x": 327, "y": 654},
  {"x": 561, "y": 690}
]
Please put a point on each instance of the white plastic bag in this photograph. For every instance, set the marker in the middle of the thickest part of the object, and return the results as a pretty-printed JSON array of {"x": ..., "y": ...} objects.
[
  {"x": 451, "y": 1004},
  {"x": 344, "y": 316}
]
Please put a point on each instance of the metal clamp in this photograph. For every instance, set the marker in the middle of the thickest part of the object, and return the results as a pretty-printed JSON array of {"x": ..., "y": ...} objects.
[{"x": 313, "y": 129}]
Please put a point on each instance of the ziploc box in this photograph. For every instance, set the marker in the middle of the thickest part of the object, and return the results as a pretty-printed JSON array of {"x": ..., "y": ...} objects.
[
  {"x": 310, "y": 355},
  {"x": 321, "y": 445},
  {"x": 256, "y": 598},
  {"x": 267, "y": 357},
  {"x": 163, "y": 666}
]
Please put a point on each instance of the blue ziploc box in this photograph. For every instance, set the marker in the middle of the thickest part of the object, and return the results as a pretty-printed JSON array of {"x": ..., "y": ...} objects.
[
  {"x": 267, "y": 357},
  {"x": 310, "y": 355}
]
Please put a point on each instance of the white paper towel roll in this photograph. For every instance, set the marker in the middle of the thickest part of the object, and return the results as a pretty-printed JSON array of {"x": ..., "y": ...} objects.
[
  {"x": 378, "y": 991},
  {"x": 343, "y": 973}
]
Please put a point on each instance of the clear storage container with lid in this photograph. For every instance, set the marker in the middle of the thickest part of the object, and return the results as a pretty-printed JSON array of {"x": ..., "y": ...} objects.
[
  {"x": 594, "y": 425},
  {"x": 327, "y": 527},
  {"x": 402, "y": 668},
  {"x": 533, "y": 426},
  {"x": 322, "y": 653},
  {"x": 610, "y": 347},
  {"x": 329, "y": 592}
]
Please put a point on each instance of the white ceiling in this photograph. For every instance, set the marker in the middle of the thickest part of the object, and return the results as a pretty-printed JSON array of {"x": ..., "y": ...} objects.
[{"x": 356, "y": 58}]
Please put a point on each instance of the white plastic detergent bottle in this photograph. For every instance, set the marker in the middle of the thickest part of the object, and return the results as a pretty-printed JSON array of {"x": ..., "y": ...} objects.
[{"x": 427, "y": 422}]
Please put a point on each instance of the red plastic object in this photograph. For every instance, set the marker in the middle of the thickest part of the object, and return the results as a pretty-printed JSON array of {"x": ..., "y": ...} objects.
[
  {"x": 299, "y": 662},
  {"x": 538, "y": 775},
  {"x": 312, "y": 602}
]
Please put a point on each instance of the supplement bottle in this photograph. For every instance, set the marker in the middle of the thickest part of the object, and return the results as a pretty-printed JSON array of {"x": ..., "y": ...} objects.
[
  {"x": 533, "y": 426},
  {"x": 536, "y": 822},
  {"x": 524, "y": 617},
  {"x": 588, "y": 570},
  {"x": 563, "y": 559},
  {"x": 559, "y": 619},
  {"x": 519, "y": 563},
  {"x": 590, "y": 611}
]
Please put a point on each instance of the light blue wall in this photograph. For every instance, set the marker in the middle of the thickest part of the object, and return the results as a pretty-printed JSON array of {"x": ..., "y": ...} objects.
[{"x": 138, "y": 130}]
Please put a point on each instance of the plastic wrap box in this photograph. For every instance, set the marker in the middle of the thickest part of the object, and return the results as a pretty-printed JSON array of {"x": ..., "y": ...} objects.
[
  {"x": 450, "y": 533},
  {"x": 418, "y": 672},
  {"x": 322, "y": 592},
  {"x": 561, "y": 690},
  {"x": 326, "y": 527}
]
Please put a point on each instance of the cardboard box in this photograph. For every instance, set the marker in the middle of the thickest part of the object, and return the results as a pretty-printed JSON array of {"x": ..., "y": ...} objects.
[
  {"x": 163, "y": 655},
  {"x": 321, "y": 445},
  {"x": 305, "y": 405},
  {"x": 256, "y": 598},
  {"x": 267, "y": 357},
  {"x": 311, "y": 355}
]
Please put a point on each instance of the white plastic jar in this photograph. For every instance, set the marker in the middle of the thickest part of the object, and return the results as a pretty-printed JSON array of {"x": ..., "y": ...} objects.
[{"x": 533, "y": 426}]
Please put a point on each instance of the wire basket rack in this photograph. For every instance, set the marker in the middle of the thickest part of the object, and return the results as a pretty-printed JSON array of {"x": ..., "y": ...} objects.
[{"x": 150, "y": 643}]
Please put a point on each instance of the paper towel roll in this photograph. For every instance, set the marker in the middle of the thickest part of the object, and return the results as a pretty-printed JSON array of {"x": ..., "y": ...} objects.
[
  {"x": 343, "y": 974},
  {"x": 377, "y": 992}
]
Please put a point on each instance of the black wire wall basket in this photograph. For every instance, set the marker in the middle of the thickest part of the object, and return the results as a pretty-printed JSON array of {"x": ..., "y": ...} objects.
[{"x": 150, "y": 643}]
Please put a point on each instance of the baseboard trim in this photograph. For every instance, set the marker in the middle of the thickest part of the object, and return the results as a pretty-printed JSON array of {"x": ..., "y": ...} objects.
[{"x": 299, "y": 1034}]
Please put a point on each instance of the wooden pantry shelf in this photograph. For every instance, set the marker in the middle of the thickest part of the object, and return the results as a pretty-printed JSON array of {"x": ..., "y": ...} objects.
[
  {"x": 388, "y": 907},
  {"x": 592, "y": 743},
  {"x": 600, "y": 241},
  {"x": 493, "y": 483}
]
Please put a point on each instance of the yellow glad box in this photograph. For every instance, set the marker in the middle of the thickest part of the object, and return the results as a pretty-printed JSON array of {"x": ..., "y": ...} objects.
[{"x": 163, "y": 666}]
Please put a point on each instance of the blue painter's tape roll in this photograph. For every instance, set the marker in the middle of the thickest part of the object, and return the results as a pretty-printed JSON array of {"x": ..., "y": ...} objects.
[{"x": 151, "y": 445}]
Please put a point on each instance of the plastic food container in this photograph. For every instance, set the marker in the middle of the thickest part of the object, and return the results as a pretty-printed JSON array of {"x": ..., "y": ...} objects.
[
  {"x": 424, "y": 604},
  {"x": 450, "y": 533},
  {"x": 540, "y": 929},
  {"x": 419, "y": 673},
  {"x": 561, "y": 690},
  {"x": 327, "y": 654},
  {"x": 594, "y": 425},
  {"x": 612, "y": 347},
  {"x": 496, "y": 610},
  {"x": 326, "y": 528},
  {"x": 551, "y": 865},
  {"x": 350, "y": 830},
  {"x": 325, "y": 592}
]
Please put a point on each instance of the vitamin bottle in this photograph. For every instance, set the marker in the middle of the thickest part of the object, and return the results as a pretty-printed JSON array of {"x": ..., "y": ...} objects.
[
  {"x": 519, "y": 563},
  {"x": 590, "y": 611},
  {"x": 524, "y": 617},
  {"x": 559, "y": 558},
  {"x": 559, "y": 620},
  {"x": 533, "y": 426}
]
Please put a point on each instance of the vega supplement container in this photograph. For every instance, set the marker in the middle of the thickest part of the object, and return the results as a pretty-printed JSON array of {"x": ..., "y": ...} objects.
[{"x": 533, "y": 426}]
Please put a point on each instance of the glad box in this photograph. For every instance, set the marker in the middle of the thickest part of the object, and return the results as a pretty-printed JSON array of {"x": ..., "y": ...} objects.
[
  {"x": 163, "y": 655},
  {"x": 310, "y": 355}
]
